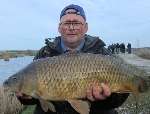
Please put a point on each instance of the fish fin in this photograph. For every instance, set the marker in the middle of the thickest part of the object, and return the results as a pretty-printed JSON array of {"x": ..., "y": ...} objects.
[
  {"x": 44, "y": 104},
  {"x": 83, "y": 107},
  {"x": 143, "y": 84},
  {"x": 47, "y": 105}
]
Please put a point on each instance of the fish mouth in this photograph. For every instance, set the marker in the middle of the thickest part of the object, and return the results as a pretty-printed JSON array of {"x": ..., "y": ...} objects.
[{"x": 6, "y": 84}]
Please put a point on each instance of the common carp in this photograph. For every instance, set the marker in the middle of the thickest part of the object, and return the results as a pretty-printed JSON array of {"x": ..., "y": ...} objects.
[{"x": 67, "y": 77}]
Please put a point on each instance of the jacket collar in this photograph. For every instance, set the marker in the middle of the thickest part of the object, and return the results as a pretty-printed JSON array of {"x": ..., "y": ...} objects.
[{"x": 90, "y": 41}]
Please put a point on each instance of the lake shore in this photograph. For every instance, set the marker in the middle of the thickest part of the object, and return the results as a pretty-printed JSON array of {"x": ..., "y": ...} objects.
[{"x": 6, "y": 55}]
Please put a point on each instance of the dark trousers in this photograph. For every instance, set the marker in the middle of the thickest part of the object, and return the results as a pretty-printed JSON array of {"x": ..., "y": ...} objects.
[{"x": 67, "y": 109}]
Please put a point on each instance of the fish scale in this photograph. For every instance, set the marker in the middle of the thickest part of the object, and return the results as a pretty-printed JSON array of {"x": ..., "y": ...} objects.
[
  {"x": 86, "y": 66},
  {"x": 68, "y": 76}
]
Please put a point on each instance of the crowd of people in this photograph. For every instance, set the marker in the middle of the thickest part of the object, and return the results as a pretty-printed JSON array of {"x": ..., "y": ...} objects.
[{"x": 117, "y": 48}]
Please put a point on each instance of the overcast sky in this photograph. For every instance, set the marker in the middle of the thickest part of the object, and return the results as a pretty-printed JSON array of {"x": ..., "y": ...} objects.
[{"x": 24, "y": 24}]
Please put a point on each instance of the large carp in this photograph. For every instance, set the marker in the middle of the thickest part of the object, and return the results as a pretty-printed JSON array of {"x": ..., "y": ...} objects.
[{"x": 67, "y": 77}]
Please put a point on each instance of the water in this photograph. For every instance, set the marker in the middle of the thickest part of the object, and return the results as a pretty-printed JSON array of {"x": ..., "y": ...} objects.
[{"x": 7, "y": 68}]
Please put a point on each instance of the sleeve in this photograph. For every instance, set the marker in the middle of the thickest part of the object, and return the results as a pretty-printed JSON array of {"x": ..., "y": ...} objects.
[
  {"x": 43, "y": 52},
  {"x": 105, "y": 51}
]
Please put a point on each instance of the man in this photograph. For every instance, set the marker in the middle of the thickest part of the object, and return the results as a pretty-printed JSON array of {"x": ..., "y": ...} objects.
[{"x": 73, "y": 28}]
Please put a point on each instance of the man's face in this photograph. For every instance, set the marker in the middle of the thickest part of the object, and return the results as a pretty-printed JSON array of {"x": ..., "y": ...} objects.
[{"x": 72, "y": 28}]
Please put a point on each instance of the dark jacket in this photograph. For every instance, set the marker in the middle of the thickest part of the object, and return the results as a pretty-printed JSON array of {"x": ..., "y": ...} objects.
[{"x": 91, "y": 45}]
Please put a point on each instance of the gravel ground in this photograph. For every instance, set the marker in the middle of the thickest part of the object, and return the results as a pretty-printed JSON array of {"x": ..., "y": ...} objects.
[{"x": 141, "y": 105}]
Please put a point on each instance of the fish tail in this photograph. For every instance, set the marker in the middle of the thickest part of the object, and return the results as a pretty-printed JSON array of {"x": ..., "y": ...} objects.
[{"x": 143, "y": 84}]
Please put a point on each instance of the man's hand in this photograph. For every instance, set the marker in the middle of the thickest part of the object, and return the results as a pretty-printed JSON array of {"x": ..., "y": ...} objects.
[
  {"x": 23, "y": 96},
  {"x": 98, "y": 92}
]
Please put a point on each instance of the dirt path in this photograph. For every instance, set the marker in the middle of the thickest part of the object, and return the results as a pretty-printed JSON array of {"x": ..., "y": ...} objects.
[{"x": 137, "y": 61}]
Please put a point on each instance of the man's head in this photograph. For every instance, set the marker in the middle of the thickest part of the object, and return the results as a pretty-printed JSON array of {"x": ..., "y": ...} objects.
[{"x": 72, "y": 26}]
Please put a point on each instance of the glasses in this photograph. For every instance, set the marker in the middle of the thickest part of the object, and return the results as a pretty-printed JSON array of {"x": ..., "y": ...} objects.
[{"x": 74, "y": 24}]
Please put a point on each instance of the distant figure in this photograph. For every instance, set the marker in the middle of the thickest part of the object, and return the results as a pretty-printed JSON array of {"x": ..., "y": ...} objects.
[
  {"x": 109, "y": 49},
  {"x": 112, "y": 48},
  {"x": 122, "y": 47},
  {"x": 129, "y": 48},
  {"x": 114, "y": 45},
  {"x": 117, "y": 48}
]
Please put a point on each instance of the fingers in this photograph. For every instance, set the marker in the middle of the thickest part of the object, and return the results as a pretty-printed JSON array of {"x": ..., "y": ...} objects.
[
  {"x": 19, "y": 94},
  {"x": 23, "y": 96},
  {"x": 89, "y": 94},
  {"x": 106, "y": 90},
  {"x": 96, "y": 92}
]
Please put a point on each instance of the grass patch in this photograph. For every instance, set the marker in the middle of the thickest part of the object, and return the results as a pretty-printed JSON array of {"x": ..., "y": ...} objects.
[{"x": 28, "y": 110}]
